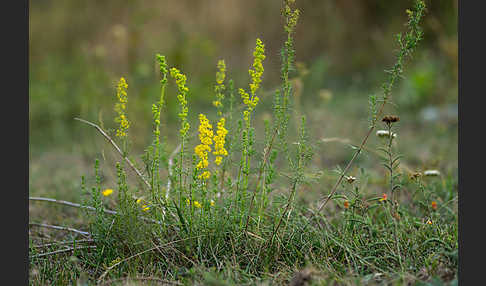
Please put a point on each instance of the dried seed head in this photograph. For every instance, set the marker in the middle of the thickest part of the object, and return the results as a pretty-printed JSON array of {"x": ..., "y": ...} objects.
[
  {"x": 346, "y": 204},
  {"x": 396, "y": 216},
  {"x": 415, "y": 176},
  {"x": 389, "y": 119},
  {"x": 350, "y": 179}
]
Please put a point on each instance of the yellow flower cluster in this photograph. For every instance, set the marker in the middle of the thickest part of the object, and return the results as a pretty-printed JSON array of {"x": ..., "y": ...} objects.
[
  {"x": 250, "y": 103},
  {"x": 120, "y": 108},
  {"x": 219, "y": 88},
  {"x": 143, "y": 206},
  {"x": 219, "y": 141},
  {"x": 181, "y": 85},
  {"x": 256, "y": 78},
  {"x": 291, "y": 17},
  {"x": 202, "y": 150},
  {"x": 256, "y": 74},
  {"x": 195, "y": 203}
]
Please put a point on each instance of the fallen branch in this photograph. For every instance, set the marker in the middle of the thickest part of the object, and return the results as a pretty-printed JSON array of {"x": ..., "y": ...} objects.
[
  {"x": 117, "y": 149},
  {"x": 85, "y": 233}
]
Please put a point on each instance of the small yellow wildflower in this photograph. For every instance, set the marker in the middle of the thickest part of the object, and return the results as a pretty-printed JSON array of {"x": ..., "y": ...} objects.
[
  {"x": 197, "y": 204},
  {"x": 212, "y": 203},
  {"x": 145, "y": 208},
  {"x": 107, "y": 192},
  {"x": 429, "y": 221}
]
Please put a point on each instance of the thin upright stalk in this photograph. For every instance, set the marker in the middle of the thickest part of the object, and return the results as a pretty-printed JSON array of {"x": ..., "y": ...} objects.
[{"x": 262, "y": 168}]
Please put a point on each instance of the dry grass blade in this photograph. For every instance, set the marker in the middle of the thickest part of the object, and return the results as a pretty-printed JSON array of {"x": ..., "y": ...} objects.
[
  {"x": 62, "y": 251},
  {"x": 140, "y": 253},
  {"x": 83, "y": 207},
  {"x": 265, "y": 159},
  {"x": 63, "y": 243},
  {"x": 154, "y": 279}
]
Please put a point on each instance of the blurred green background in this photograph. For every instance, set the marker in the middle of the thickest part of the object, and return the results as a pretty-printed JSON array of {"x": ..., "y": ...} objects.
[{"x": 79, "y": 49}]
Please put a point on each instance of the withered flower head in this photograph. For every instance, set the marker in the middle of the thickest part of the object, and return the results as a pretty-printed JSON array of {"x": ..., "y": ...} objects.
[
  {"x": 350, "y": 179},
  {"x": 346, "y": 204},
  {"x": 415, "y": 176},
  {"x": 434, "y": 205},
  {"x": 396, "y": 216},
  {"x": 389, "y": 119}
]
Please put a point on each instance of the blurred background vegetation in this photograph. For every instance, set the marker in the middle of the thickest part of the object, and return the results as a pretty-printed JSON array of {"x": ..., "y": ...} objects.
[{"x": 79, "y": 50}]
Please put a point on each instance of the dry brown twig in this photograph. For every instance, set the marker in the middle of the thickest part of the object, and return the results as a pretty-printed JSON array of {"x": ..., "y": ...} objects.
[
  {"x": 130, "y": 163},
  {"x": 57, "y": 227}
]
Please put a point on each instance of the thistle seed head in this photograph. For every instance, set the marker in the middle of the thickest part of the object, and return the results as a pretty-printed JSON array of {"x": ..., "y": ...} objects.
[{"x": 389, "y": 119}]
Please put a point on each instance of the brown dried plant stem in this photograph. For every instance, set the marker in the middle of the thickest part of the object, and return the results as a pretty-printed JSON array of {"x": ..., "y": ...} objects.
[
  {"x": 361, "y": 147},
  {"x": 407, "y": 47},
  {"x": 65, "y": 228},
  {"x": 117, "y": 149}
]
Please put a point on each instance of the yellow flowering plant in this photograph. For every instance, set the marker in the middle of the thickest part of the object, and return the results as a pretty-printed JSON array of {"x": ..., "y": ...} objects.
[
  {"x": 219, "y": 87},
  {"x": 248, "y": 211},
  {"x": 202, "y": 150},
  {"x": 120, "y": 108}
]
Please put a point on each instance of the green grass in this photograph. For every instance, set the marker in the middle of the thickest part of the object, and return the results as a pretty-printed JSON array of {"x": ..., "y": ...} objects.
[{"x": 260, "y": 225}]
